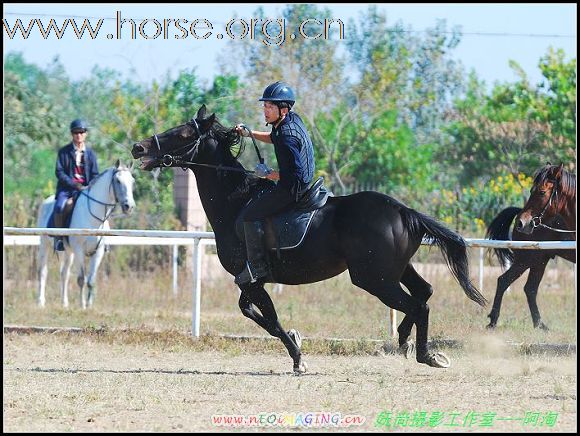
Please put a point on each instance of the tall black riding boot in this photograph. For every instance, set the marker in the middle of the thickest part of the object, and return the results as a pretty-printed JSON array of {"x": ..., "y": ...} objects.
[
  {"x": 257, "y": 266},
  {"x": 58, "y": 223}
]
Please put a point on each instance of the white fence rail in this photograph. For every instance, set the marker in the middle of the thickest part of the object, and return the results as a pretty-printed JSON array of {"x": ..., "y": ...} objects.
[{"x": 31, "y": 236}]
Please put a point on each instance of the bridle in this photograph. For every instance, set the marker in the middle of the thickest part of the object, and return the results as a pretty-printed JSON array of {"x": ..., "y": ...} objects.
[
  {"x": 537, "y": 220},
  {"x": 171, "y": 159},
  {"x": 180, "y": 160},
  {"x": 112, "y": 205}
]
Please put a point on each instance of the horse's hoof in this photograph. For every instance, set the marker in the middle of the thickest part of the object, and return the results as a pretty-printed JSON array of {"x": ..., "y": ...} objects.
[
  {"x": 490, "y": 326},
  {"x": 543, "y": 326},
  {"x": 438, "y": 360},
  {"x": 301, "y": 368},
  {"x": 407, "y": 349},
  {"x": 296, "y": 337}
]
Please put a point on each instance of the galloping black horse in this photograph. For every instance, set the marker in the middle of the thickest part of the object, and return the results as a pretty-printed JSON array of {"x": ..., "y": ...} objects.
[
  {"x": 548, "y": 215},
  {"x": 371, "y": 234}
]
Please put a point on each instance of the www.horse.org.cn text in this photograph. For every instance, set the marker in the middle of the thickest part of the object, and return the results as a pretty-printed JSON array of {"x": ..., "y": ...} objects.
[{"x": 269, "y": 31}]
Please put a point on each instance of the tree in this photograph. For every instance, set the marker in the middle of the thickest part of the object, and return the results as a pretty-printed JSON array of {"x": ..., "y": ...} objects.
[{"x": 517, "y": 127}]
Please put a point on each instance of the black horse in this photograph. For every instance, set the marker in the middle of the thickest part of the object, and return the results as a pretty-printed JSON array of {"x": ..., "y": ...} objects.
[
  {"x": 371, "y": 234},
  {"x": 548, "y": 215}
]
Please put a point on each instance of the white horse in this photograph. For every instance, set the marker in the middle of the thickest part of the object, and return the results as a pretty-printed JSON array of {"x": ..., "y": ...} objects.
[{"x": 91, "y": 211}]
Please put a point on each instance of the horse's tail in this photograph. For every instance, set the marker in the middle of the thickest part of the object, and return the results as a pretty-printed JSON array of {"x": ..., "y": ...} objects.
[
  {"x": 44, "y": 211},
  {"x": 452, "y": 246},
  {"x": 499, "y": 229}
]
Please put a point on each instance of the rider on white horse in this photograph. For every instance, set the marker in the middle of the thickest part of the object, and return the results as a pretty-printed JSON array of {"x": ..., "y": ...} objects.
[{"x": 76, "y": 166}]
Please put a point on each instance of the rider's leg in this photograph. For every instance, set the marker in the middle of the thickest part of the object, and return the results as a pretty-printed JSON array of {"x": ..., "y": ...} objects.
[
  {"x": 267, "y": 204},
  {"x": 59, "y": 206}
]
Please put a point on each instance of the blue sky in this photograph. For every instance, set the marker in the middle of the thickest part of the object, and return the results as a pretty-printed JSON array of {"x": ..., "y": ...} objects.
[{"x": 494, "y": 34}]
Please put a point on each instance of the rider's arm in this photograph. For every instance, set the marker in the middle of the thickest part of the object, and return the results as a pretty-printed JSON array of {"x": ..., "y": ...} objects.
[
  {"x": 94, "y": 165},
  {"x": 262, "y": 136},
  {"x": 60, "y": 170}
]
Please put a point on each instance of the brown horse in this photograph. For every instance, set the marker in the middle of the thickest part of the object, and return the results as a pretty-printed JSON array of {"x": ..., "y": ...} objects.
[
  {"x": 548, "y": 215},
  {"x": 371, "y": 234}
]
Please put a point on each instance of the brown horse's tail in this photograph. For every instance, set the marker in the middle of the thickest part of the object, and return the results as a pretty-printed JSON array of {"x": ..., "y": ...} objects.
[
  {"x": 499, "y": 229},
  {"x": 452, "y": 246}
]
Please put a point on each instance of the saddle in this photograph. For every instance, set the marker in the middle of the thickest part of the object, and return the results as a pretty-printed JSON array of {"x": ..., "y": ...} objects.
[{"x": 287, "y": 229}]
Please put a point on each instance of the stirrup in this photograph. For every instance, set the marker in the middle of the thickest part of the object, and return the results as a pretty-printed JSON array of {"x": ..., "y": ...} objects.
[
  {"x": 251, "y": 275},
  {"x": 58, "y": 245}
]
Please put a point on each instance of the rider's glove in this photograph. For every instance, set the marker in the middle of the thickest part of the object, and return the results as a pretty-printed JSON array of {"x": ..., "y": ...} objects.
[{"x": 262, "y": 170}]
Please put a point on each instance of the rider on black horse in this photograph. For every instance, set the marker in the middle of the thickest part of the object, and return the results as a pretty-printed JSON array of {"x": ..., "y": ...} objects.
[{"x": 295, "y": 156}]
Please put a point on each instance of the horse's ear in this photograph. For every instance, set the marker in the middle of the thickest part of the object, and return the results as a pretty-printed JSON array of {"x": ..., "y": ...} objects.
[
  {"x": 118, "y": 163},
  {"x": 206, "y": 123},
  {"x": 558, "y": 174},
  {"x": 201, "y": 113},
  {"x": 131, "y": 164}
]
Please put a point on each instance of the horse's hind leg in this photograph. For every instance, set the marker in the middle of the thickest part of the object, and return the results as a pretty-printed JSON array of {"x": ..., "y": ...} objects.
[
  {"x": 422, "y": 291},
  {"x": 43, "y": 252},
  {"x": 392, "y": 294},
  {"x": 64, "y": 276},
  {"x": 531, "y": 290},
  {"x": 91, "y": 278},
  {"x": 256, "y": 294},
  {"x": 503, "y": 282}
]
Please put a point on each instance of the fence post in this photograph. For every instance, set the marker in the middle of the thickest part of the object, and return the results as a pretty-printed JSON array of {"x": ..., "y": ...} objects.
[
  {"x": 196, "y": 273},
  {"x": 175, "y": 253},
  {"x": 481, "y": 268},
  {"x": 393, "y": 323}
]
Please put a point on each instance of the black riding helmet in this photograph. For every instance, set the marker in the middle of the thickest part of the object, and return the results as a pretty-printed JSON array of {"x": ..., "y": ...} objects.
[
  {"x": 279, "y": 92},
  {"x": 79, "y": 124}
]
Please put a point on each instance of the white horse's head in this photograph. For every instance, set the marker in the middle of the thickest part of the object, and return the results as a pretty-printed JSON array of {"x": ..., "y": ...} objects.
[{"x": 123, "y": 183}]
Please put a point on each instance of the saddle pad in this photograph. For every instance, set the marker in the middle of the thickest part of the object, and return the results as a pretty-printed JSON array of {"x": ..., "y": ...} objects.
[{"x": 291, "y": 228}]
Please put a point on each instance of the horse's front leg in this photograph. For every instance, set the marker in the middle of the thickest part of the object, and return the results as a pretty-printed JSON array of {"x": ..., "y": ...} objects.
[
  {"x": 65, "y": 268},
  {"x": 94, "y": 263},
  {"x": 42, "y": 269},
  {"x": 80, "y": 268},
  {"x": 255, "y": 294}
]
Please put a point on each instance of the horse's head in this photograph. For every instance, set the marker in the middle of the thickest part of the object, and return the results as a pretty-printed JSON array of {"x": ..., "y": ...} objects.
[
  {"x": 175, "y": 146},
  {"x": 547, "y": 198},
  {"x": 123, "y": 183}
]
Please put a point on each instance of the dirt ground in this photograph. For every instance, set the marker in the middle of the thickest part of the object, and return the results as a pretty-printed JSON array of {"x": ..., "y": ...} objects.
[{"x": 58, "y": 383}]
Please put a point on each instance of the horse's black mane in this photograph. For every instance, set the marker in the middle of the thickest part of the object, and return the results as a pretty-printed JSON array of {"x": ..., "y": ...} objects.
[
  {"x": 242, "y": 186},
  {"x": 227, "y": 138}
]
